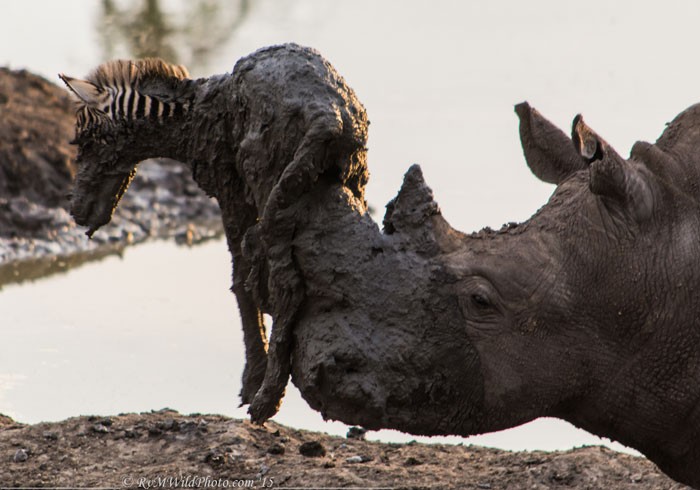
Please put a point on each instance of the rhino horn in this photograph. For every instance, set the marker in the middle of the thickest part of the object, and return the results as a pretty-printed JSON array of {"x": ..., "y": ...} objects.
[
  {"x": 548, "y": 150},
  {"x": 622, "y": 184}
]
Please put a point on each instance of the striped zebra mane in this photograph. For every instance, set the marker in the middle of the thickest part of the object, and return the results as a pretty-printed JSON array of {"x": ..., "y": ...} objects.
[
  {"x": 129, "y": 90},
  {"x": 132, "y": 73}
]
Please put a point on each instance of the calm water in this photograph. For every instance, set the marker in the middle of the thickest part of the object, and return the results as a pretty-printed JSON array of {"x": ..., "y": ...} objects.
[{"x": 439, "y": 80}]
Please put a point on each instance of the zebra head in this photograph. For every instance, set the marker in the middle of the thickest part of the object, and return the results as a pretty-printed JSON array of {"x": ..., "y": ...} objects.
[{"x": 118, "y": 107}]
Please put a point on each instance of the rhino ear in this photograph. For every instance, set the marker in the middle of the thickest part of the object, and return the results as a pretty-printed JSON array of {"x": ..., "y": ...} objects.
[
  {"x": 548, "y": 151},
  {"x": 86, "y": 91},
  {"x": 588, "y": 144},
  {"x": 623, "y": 185}
]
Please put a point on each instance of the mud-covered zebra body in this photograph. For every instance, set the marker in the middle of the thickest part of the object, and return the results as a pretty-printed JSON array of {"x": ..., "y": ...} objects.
[
  {"x": 128, "y": 90},
  {"x": 256, "y": 140}
]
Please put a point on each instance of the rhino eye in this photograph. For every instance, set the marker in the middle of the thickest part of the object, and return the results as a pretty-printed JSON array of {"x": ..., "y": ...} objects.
[{"x": 480, "y": 301}]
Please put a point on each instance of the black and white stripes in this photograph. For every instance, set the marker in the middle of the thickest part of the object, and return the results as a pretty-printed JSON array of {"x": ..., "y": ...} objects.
[
  {"x": 122, "y": 90},
  {"x": 129, "y": 103}
]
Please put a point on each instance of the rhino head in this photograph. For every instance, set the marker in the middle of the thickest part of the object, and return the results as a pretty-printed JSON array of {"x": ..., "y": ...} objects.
[{"x": 589, "y": 311}]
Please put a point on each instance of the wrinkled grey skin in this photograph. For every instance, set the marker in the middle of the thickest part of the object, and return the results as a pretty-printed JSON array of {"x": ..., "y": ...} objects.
[{"x": 587, "y": 312}]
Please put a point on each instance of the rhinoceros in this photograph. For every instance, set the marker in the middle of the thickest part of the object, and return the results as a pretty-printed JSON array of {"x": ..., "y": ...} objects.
[{"x": 589, "y": 311}]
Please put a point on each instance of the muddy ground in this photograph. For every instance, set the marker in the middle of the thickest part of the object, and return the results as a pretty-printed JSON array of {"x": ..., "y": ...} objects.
[{"x": 165, "y": 449}]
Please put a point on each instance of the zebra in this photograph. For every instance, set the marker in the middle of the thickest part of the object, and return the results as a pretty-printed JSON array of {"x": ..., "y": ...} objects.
[
  {"x": 125, "y": 90},
  {"x": 257, "y": 140}
]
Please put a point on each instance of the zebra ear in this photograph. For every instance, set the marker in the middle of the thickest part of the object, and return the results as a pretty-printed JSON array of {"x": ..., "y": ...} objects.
[{"x": 86, "y": 91}]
